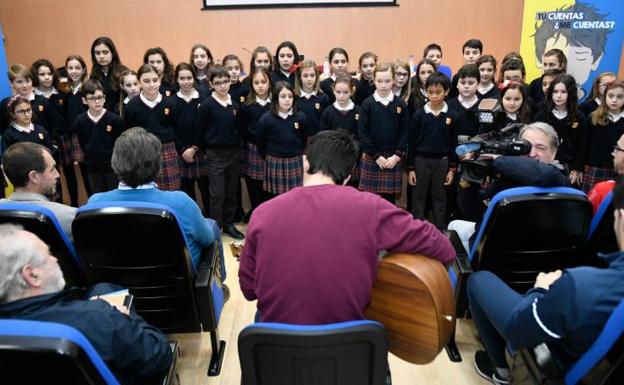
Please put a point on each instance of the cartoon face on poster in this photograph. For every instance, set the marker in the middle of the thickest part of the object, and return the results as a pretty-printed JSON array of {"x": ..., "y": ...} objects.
[{"x": 589, "y": 33}]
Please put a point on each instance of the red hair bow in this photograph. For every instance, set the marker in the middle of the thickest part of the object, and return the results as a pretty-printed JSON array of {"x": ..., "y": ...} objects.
[{"x": 294, "y": 68}]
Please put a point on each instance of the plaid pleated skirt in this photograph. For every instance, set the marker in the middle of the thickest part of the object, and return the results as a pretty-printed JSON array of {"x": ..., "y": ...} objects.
[
  {"x": 377, "y": 180},
  {"x": 169, "y": 176},
  {"x": 256, "y": 167},
  {"x": 65, "y": 149},
  {"x": 595, "y": 175},
  {"x": 76, "y": 151},
  {"x": 283, "y": 174},
  {"x": 196, "y": 169}
]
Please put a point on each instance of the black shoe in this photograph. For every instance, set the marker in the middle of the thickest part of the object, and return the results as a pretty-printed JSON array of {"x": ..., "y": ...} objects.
[
  {"x": 484, "y": 367},
  {"x": 226, "y": 293},
  {"x": 233, "y": 232},
  {"x": 247, "y": 216}
]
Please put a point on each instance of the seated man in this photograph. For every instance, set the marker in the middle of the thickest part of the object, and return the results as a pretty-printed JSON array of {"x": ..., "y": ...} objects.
[
  {"x": 311, "y": 255},
  {"x": 565, "y": 309},
  {"x": 538, "y": 168},
  {"x": 136, "y": 161},
  {"x": 602, "y": 189},
  {"x": 32, "y": 170},
  {"x": 31, "y": 284}
]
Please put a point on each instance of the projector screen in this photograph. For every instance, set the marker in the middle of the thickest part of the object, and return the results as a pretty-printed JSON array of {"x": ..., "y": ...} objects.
[{"x": 208, "y": 4}]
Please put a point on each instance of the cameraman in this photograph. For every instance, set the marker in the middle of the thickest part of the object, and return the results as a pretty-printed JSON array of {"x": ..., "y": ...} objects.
[{"x": 538, "y": 168}]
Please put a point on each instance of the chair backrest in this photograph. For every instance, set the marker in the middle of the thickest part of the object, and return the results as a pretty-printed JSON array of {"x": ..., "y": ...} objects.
[
  {"x": 526, "y": 230},
  {"x": 142, "y": 247},
  {"x": 601, "y": 238},
  {"x": 343, "y": 353},
  {"x": 42, "y": 222},
  {"x": 35, "y": 352},
  {"x": 607, "y": 351}
]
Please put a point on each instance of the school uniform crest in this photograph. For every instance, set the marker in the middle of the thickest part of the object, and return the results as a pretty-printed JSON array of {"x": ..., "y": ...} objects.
[
  {"x": 167, "y": 110},
  {"x": 234, "y": 111},
  {"x": 41, "y": 108},
  {"x": 317, "y": 106},
  {"x": 60, "y": 101},
  {"x": 448, "y": 121},
  {"x": 167, "y": 93},
  {"x": 41, "y": 136},
  {"x": 575, "y": 124},
  {"x": 242, "y": 99},
  {"x": 296, "y": 125},
  {"x": 399, "y": 109},
  {"x": 357, "y": 116},
  {"x": 109, "y": 128}
]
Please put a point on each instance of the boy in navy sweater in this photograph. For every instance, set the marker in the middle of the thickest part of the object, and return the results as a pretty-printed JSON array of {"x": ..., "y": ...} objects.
[
  {"x": 218, "y": 130},
  {"x": 97, "y": 129},
  {"x": 431, "y": 160}
]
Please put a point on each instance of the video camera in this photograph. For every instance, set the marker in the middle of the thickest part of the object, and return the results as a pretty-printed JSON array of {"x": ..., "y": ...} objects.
[{"x": 503, "y": 142}]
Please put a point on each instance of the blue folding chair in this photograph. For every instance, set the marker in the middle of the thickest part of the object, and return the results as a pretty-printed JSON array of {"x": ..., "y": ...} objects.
[
  {"x": 601, "y": 237},
  {"x": 345, "y": 353},
  {"x": 42, "y": 222},
  {"x": 525, "y": 230},
  {"x": 141, "y": 246}
]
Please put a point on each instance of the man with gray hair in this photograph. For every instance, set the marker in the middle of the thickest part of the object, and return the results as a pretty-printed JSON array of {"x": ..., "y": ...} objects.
[
  {"x": 136, "y": 162},
  {"x": 32, "y": 170},
  {"x": 538, "y": 168},
  {"x": 31, "y": 284}
]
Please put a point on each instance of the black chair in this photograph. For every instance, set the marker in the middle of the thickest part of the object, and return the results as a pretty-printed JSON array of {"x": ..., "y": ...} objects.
[
  {"x": 602, "y": 364},
  {"x": 525, "y": 230},
  {"x": 36, "y": 352},
  {"x": 601, "y": 238},
  {"x": 142, "y": 247},
  {"x": 343, "y": 353},
  {"x": 42, "y": 222}
]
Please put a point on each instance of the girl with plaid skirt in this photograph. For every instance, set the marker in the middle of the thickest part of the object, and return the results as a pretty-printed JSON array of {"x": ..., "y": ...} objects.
[
  {"x": 281, "y": 140},
  {"x": 310, "y": 99},
  {"x": 383, "y": 130},
  {"x": 605, "y": 128},
  {"x": 156, "y": 115},
  {"x": 257, "y": 104},
  {"x": 193, "y": 165}
]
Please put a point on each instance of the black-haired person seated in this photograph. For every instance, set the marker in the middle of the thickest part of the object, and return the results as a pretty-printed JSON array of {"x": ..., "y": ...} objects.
[
  {"x": 31, "y": 284},
  {"x": 565, "y": 309}
]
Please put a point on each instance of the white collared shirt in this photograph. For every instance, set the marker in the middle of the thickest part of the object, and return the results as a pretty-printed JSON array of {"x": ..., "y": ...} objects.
[
  {"x": 597, "y": 100},
  {"x": 615, "y": 117},
  {"x": 123, "y": 186},
  {"x": 94, "y": 118},
  {"x": 127, "y": 99},
  {"x": 285, "y": 115},
  {"x": 349, "y": 107},
  {"x": 428, "y": 109},
  {"x": 559, "y": 114},
  {"x": 194, "y": 95},
  {"x": 397, "y": 92},
  {"x": 484, "y": 90},
  {"x": 333, "y": 77},
  {"x": 308, "y": 95},
  {"x": 385, "y": 101},
  {"x": 263, "y": 102},
  {"x": 28, "y": 130},
  {"x": 513, "y": 116},
  {"x": 45, "y": 94},
  {"x": 76, "y": 89},
  {"x": 151, "y": 104},
  {"x": 228, "y": 102},
  {"x": 287, "y": 74},
  {"x": 467, "y": 103}
]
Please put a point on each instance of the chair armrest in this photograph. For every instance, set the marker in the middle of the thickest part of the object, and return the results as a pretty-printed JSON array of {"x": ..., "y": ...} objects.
[
  {"x": 459, "y": 272},
  {"x": 208, "y": 289}
]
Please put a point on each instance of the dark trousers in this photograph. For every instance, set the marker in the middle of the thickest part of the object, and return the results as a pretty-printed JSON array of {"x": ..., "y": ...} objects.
[
  {"x": 223, "y": 174},
  {"x": 72, "y": 185},
  {"x": 430, "y": 176},
  {"x": 492, "y": 304},
  {"x": 257, "y": 195},
  {"x": 102, "y": 181},
  {"x": 188, "y": 186}
]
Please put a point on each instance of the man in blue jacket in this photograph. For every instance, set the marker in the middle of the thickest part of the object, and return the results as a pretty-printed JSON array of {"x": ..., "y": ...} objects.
[
  {"x": 565, "y": 309},
  {"x": 31, "y": 288}
]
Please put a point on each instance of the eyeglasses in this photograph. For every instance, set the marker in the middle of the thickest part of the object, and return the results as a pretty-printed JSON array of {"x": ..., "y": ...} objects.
[
  {"x": 96, "y": 98},
  {"x": 221, "y": 83},
  {"x": 24, "y": 111},
  {"x": 402, "y": 74},
  {"x": 616, "y": 148}
]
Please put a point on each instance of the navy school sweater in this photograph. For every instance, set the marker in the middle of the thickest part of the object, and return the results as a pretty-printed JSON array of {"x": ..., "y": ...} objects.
[
  {"x": 158, "y": 120},
  {"x": 218, "y": 126},
  {"x": 383, "y": 128},
  {"x": 281, "y": 138},
  {"x": 250, "y": 115},
  {"x": 313, "y": 108},
  {"x": 97, "y": 139},
  {"x": 332, "y": 119}
]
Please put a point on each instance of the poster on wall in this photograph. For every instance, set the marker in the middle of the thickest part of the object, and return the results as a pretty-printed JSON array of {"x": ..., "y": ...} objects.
[
  {"x": 220, "y": 4},
  {"x": 589, "y": 32}
]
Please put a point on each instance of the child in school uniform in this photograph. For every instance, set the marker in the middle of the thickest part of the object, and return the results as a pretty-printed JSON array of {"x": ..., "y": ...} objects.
[
  {"x": 201, "y": 59},
  {"x": 97, "y": 129},
  {"x": 309, "y": 98},
  {"x": 257, "y": 104},
  {"x": 605, "y": 128},
  {"x": 553, "y": 59},
  {"x": 433, "y": 52},
  {"x": 418, "y": 94},
  {"x": 431, "y": 159},
  {"x": 238, "y": 89},
  {"x": 466, "y": 104},
  {"x": 286, "y": 56},
  {"x": 487, "y": 70},
  {"x": 157, "y": 58},
  {"x": 129, "y": 87},
  {"x": 547, "y": 78},
  {"x": 513, "y": 108},
  {"x": 561, "y": 112},
  {"x": 156, "y": 114},
  {"x": 22, "y": 128},
  {"x": 338, "y": 65},
  {"x": 472, "y": 51},
  {"x": 193, "y": 164},
  {"x": 402, "y": 77},
  {"x": 366, "y": 88},
  {"x": 260, "y": 58},
  {"x": 106, "y": 69},
  {"x": 281, "y": 141},
  {"x": 218, "y": 129},
  {"x": 383, "y": 132},
  {"x": 591, "y": 103}
]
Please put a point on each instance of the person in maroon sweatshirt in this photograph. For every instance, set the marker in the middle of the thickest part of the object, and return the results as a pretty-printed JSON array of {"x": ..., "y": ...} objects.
[{"x": 311, "y": 254}]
